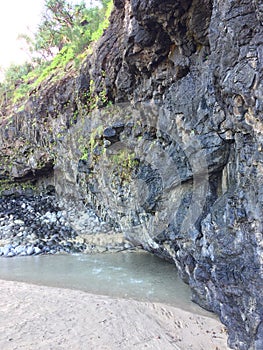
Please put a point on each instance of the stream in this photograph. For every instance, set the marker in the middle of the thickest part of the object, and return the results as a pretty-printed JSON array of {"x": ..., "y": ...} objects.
[{"x": 131, "y": 275}]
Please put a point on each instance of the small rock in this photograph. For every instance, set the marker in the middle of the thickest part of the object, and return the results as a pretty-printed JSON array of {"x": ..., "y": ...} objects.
[
  {"x": 6, "y": 249},
  {"x": 37, "y": 251},
  {"x": 19, "y": 249},
  {"x": 10, "y": 254},
  {"x": 106, "y": 143},
  {"x": 30, "y": 250},
  {"x": 19, "y": 222}
]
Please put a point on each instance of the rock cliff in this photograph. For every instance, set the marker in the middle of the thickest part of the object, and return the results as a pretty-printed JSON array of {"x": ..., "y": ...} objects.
[{"x": 160, "y": 132}]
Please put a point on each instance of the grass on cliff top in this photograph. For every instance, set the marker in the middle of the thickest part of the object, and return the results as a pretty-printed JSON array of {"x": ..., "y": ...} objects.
[{"x": 20, "y": 80}]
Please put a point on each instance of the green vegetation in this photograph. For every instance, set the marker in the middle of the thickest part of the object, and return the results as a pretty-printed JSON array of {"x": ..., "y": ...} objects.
[
  {"x": 7, "y": 185},
  {"x": 60, "y": 61},
  {"x": 64, "y": 24},
  {"x": 64, "y": 35},
  {"x": 125, "y": 162},
  {"x": 95, "y": 141},
  {"x": 105, "y": 23}
]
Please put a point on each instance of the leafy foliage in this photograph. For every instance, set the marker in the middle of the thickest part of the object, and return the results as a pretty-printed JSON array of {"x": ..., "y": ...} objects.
[
  {"x": 64, "y": 33},
  {"x": 66, "y": 24},
  {"x": 14, "y": 78}
]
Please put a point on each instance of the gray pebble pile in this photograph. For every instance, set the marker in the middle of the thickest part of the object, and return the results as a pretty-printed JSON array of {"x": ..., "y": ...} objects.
[{"x": 35, "y": 225}]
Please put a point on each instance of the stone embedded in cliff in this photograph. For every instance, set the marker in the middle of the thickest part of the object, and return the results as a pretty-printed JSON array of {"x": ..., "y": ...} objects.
[
  {"x": 84, "y": 166},
  {"x": 119, "y": 3},
  {"x": 118, "y": 126},
  {"x": 110, "y": 134}
]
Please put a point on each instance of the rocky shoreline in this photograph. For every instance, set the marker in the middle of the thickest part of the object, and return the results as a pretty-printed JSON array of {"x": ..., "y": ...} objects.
[{"x": 37, "y": 224}]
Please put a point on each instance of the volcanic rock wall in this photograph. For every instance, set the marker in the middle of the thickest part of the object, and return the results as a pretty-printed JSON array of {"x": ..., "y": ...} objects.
[{"x": 173, "y": 155}]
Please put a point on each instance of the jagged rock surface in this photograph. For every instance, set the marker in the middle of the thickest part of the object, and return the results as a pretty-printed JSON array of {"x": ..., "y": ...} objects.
[{"x": 176, "y": 162}]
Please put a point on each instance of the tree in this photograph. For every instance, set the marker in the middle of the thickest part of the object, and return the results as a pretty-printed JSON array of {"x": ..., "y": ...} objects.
[
  {"x": 64, "y": 32},
  {"x": 64, "y": 23}
]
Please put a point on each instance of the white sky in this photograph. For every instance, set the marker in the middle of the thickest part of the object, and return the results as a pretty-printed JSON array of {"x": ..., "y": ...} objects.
[{"x": 17, "y": 17}]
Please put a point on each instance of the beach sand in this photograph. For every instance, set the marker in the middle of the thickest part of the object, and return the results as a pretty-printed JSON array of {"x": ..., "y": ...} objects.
[{"x": 39, "y": 317}]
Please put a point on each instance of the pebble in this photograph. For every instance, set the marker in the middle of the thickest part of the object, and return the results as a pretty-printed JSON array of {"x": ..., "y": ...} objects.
[
  {"x": 19, "y": 222},
  {"x": 29, "y": 250},
  {"x": 31, "y": 226},
  {"x": 38, "y": 225},
  {"x": 37, "y": 250}
]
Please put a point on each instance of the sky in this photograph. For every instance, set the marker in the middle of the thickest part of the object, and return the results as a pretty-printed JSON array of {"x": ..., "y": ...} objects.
[{"x": 16, "y": 17}]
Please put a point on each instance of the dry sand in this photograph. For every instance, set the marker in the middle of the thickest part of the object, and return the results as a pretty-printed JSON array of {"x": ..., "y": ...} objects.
[{"x": 38, "y": 317}]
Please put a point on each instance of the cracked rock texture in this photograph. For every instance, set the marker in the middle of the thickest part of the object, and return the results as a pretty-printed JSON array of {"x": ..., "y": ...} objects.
[{"x": 174, "y": 161}]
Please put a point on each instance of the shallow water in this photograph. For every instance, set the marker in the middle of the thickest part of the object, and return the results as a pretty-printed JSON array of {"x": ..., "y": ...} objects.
[{"x": 139, "y": 276}]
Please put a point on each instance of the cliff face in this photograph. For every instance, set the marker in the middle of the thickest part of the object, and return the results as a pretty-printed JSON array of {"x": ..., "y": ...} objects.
[{"x": 174, "y": 159}]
